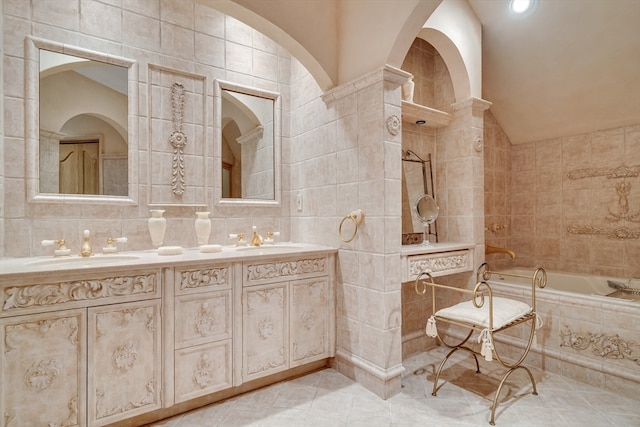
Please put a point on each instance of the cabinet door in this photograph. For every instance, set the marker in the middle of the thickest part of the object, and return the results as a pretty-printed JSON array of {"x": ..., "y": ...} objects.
[
  {"x": 265, "y": 330},
  {"x": 124, "y": 357},
  {"x": 309, "y": 320},
  {"x": 42, "y": 377}
]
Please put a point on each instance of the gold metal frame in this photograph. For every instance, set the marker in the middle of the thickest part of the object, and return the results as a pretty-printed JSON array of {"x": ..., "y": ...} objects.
[{"x": 481, "y": 294}]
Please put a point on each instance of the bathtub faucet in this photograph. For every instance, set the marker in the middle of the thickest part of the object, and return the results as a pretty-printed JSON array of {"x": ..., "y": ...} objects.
[{"x": 494, "y": 250}]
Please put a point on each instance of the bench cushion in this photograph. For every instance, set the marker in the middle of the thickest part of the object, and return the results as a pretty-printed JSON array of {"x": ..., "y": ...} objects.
[{"x": 505, "y": 311}]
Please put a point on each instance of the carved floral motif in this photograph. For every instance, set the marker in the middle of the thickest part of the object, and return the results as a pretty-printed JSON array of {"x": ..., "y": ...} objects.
[
  {"x": 147, "y": 399},
  {"x": 444, "y": 263},
  {"x": 177, "y": 139},
  {"x": 204, "y": 373},
  {"x": 200, "y": 278},
  {"x": 204, "y": 321},
  {"x": 623, "y": 213},
  {"x": 285, "y": 268},
  {"x": 42, "y": 327},
  {"x": 42, "y": 375},
  {"x": 605, "y": 345},
  {"x": 39, "y": 295},
  {"x": 393, "y": 124},
  {"x": 265, "y": 328},
  {"x": 125, "y": 356},
  {"x": 253, "y": 365},
  {"x": 263, "y": 297}
]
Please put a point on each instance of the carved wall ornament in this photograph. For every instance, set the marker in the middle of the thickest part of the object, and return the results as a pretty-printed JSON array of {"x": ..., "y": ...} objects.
[
  {"x": 177, "y": 139},
  {"x": 393, "y": 124},
  {"x": 42, "y": 374},
  {"x": 623, "y": 190},
  {"x": 285, "y": 268},
  {"x": 478, "y": 144},
  {"x": 617, "y": 172},
  {"x": 605, "y": 345},
  {"x": 622, "y": 233},
  {"x": 204, "y": 372},
  {"x": 40, "y": 295},
  {"x": 201, "y": 278}
]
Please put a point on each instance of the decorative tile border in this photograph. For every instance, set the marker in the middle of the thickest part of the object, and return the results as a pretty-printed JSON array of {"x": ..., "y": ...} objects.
[{"x": 605, "y": 345}]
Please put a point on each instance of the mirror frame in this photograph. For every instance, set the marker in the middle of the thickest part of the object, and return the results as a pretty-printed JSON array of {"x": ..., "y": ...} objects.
[
  {"x": 32, "y": 123},
  {"x": 219, "y": 86}
]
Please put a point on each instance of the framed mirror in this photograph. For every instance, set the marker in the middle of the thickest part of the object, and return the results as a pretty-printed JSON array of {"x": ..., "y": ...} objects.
[
  {"x": 81, "y": 121},
  {"x": 247, "y": 143}
]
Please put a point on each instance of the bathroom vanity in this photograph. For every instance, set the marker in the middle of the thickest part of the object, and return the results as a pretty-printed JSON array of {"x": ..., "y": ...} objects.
[{"x": 109, "y": 338}]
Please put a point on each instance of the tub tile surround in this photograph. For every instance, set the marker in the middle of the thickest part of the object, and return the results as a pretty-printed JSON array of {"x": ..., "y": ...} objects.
[{"x": 565, "y": 201}]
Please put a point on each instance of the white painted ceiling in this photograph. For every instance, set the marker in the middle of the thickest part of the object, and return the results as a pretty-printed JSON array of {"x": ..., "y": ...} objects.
[{"x": 570, "y": 67}]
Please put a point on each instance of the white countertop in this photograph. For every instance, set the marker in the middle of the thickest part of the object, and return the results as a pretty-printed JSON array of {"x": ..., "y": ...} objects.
[{"x": 10, "y": 267}]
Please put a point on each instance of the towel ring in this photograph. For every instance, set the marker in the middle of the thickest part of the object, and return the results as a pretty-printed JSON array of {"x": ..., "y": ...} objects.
[{"x": 358, "y": 218}]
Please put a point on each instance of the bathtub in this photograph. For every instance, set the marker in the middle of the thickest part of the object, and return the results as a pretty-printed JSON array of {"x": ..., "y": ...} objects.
[
  {"x": 591, "y": 331},
  {"x": 567, "y": 283}
]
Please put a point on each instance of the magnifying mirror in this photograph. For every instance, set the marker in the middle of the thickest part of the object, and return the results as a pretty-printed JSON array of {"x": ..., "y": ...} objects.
[{"x": 427, "y": 211}]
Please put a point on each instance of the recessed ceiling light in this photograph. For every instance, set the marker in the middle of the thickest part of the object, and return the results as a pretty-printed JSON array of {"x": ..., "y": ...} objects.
[{"x": 520, "y": 6}]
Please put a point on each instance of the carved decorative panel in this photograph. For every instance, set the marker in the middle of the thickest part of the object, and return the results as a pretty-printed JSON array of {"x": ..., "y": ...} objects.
[
  {"x": 203, "y": 318},
  {"x": 284, "y": 269},
  {"x": 202, "y": 279},
  {"x": 622, "y": 213},
  {"x": 265, "y": 330},
  {"x": 42, "y": 370},
  {"x": 178, "y": 131},
  {"x": 309, "y": 320},
  {"x": 58, "y": 293},
  {"x": 437, "y": 264},
  {"x": 202, "y": 370},
  {"x": 124, "y": 356},
  {"x": 601, "y": 344}
]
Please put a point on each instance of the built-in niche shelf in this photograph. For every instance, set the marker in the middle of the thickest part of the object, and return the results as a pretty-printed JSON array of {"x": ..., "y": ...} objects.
[{"x": 412, "y": 113}]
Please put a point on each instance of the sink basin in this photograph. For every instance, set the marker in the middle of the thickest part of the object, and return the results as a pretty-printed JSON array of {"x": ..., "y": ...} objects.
[
  {"x": 269, "y": 248},
  {"x": 77, "y": 261}
]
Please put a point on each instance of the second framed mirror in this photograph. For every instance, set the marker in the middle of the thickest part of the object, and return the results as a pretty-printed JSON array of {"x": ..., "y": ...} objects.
[{"x": 247, "y": 135}]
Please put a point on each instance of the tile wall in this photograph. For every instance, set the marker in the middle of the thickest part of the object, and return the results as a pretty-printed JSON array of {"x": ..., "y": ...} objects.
[
  {"x": 169, "y": 40},
  {"x": 575, "y": 203}
]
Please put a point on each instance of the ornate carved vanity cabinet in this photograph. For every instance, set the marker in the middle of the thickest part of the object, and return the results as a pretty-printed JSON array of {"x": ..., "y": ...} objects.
[{"x": 140, "y": 340}]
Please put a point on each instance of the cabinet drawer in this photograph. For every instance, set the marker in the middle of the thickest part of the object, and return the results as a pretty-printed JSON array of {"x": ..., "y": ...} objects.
[
  {"x": 202, "y": 370},
  {"x": 203, "y": 278},
  {"x": 202, "y": 318},
  {"x": 262, "y": 272},
  {"x": 438, "y": 264},
  {"x": 79, "y": 290}
]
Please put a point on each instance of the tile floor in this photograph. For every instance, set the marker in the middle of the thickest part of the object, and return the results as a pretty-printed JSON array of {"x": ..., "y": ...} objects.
[{"x": 329, "y": 399}]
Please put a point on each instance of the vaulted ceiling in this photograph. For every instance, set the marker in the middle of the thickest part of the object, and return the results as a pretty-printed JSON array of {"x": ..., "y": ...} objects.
[{"x": 570, "y": 67}]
